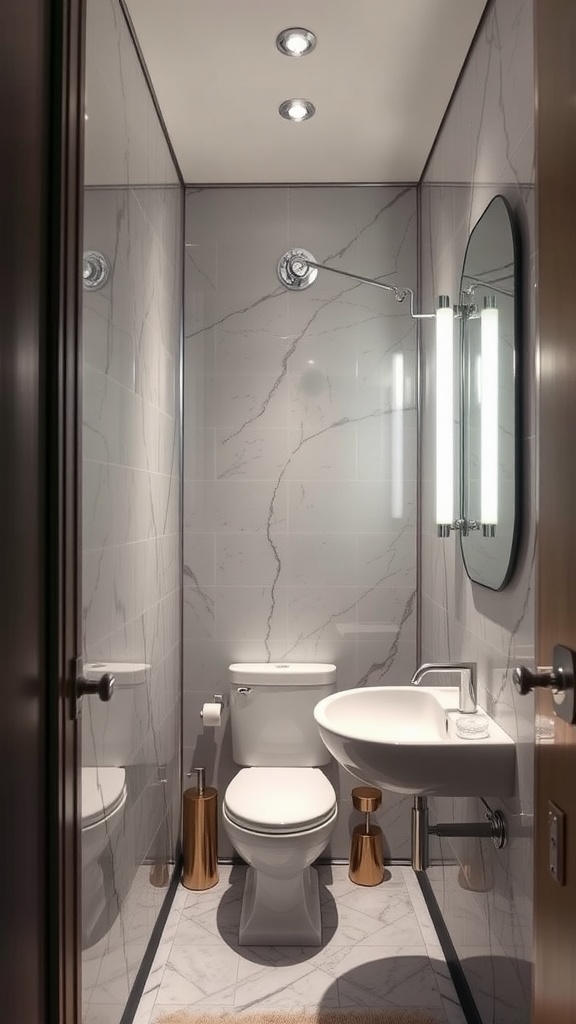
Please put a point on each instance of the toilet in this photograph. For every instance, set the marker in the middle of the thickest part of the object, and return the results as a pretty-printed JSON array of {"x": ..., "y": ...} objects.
[
  {"x": 109, "y": 738},
  {"x": 280, "y": 810},
  {"x": 103, "y": 800}
]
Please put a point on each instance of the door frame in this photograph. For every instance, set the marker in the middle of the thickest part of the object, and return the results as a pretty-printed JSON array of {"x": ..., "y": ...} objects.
[
  {"x": 554, "y": 989},
  {"x": 64, "y": 424},
  {"x": 41, "y": 107}
]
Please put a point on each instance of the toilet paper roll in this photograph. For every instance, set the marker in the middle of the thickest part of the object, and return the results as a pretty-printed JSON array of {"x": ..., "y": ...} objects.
[{"x": 211, "y": 715}]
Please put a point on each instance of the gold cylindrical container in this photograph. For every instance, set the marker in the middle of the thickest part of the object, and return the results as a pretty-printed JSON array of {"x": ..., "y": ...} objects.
[
  {"x": 200, "y": 839},
  {"x": 366, "y": 799},
  {"x": 367, "y": 849}
]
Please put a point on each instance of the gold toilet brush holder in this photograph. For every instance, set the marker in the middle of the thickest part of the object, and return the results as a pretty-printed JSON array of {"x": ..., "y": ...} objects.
[
  {"x": 200, "y": 834},
  {"x": 367, "y": 851}
]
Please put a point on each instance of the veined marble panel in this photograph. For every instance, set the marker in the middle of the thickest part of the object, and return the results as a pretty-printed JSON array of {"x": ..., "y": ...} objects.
[{"x": 300, "y": 459}]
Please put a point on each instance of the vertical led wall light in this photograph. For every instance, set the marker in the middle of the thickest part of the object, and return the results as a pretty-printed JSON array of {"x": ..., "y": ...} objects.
[
  {"x": 444, "y": 416},
  {"x": 489, "y": 417},
  {"x": 397, "y": 407}
]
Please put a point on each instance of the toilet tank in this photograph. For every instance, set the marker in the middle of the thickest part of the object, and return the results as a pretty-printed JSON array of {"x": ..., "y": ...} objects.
[
  {"x": 113, "y": 731},
  {"x": 272, "y": 714}
]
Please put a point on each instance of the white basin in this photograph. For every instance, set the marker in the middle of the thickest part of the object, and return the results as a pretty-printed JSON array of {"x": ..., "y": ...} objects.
[{"x": 404, "y": 738}]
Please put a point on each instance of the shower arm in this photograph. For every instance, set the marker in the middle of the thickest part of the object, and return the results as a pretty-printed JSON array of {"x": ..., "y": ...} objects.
[{"x": 296, "y": 262}]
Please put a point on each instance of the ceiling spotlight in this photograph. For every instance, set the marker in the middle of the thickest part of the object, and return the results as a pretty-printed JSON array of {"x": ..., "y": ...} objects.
[
  {"x": 296, "y": 110},
  {"x": 295, "y": 42}
]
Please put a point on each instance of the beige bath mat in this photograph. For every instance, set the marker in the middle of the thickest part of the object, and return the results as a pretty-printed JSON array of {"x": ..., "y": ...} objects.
[{"x": 304, "y": 1017}]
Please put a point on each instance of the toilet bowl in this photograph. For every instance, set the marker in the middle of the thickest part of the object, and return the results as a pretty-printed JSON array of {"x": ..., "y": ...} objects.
[
  {"x": 280, "y": 810},
  {"x": 279, "y": 820},
  {"x": 111, "y": 736},
  {"x": 103, "y": 800}
]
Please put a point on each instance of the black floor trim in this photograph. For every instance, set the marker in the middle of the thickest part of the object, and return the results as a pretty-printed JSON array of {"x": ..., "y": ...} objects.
[
  {"x": 148, "y": 958},
  {"x": 454, "y": 966}
]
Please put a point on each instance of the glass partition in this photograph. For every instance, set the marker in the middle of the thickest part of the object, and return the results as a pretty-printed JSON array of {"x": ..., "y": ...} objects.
[{"x": 131, "y": 515}]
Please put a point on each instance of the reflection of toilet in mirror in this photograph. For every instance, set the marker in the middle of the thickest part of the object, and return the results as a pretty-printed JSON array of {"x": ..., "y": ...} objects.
[
  {"x": 108, "y": 743},
  {"x": 280, "y": 810}
]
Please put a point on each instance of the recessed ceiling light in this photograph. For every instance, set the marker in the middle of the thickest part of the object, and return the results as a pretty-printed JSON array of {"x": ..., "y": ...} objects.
[
  {"x": 296, "y": 110},
  {"x": 295, "y": 42}
]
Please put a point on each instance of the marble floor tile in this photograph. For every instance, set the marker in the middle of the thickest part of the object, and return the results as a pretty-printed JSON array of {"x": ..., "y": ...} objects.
[
  {"x": 102, "y": 1013},
  {"x": 366, "y": 922},
  {"x": 145, "y": 1007},
  {"x": 380, "y": 950},
  {"x": 284, "y": 978},
  {"x": 162, "y": 1010},
  {"x": 200, "y": 975}
]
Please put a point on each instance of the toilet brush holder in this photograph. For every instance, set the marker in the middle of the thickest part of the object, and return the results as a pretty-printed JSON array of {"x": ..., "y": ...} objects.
[
  {"x": 367, "y": 850},
  {"x": 200, "y": 834}
]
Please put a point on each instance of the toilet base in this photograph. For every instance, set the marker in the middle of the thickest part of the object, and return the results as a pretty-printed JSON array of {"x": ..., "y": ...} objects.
[{"x": 281, "y": 912}]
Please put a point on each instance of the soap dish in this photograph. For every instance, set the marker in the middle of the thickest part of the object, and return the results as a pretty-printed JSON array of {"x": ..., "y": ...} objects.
[{"x": 472, "y": 727}]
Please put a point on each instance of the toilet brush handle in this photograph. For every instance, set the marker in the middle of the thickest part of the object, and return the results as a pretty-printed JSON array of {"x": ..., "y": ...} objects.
[{"x": 201, "y": 776}]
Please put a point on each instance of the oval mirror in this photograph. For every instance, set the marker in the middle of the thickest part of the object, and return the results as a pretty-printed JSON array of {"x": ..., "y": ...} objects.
[{"x": 490, "y": 448}]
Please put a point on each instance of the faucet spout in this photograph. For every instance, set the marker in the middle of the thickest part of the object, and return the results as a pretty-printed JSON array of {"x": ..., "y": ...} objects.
[{"x": 466, "y": 671}]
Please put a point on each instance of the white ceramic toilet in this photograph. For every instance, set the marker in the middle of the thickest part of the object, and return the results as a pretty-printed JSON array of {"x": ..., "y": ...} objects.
[
  {"x": 109, "y": 738},
  {"x": 103, "y": 800},
  {"x": 280, "y": 810}
]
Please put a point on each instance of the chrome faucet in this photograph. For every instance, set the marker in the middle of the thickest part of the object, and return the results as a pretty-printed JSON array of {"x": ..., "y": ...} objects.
[{"x": 467, "y": 695}]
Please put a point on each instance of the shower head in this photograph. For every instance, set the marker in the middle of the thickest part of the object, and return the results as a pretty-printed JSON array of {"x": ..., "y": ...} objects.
[
  {"x": 294, "y": 270},
  {"x": 297, "y": 269}
]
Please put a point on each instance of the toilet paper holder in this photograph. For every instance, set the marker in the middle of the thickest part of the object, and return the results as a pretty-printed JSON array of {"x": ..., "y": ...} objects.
[{"x": 217, "y": 699}]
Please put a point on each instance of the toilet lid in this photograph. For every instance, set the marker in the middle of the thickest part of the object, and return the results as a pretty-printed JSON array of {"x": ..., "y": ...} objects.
[
  {"x": 103, "y": 790},
  {"x": 280, "y": 800}
]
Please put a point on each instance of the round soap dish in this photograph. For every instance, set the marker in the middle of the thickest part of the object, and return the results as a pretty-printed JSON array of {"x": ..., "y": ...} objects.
[{"x": 472, "y": 727}]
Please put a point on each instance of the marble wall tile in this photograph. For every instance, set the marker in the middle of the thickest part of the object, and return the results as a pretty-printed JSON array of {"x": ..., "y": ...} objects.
[
  {"x": 293, "y": 547},
  {"x": 485, "y": 147}
]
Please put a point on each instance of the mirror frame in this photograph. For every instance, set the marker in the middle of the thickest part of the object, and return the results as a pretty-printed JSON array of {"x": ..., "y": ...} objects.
[{"x": 517, "y": 393}]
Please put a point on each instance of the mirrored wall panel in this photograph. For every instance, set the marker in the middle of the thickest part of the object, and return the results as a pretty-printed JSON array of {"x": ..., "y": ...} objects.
[{"x": 489, "y": 304}]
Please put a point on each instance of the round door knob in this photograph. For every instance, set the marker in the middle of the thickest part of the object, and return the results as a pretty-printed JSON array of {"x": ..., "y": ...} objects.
[
  {"x": 525, "y": 680},
  {"x": 106, "y": 686},
  {"x": 102, "y": 688}
]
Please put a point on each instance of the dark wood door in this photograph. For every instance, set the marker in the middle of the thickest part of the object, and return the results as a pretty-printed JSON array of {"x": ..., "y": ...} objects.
[
  {"x": 555, "y": 905},
  {"x": 40, "y": 128}
]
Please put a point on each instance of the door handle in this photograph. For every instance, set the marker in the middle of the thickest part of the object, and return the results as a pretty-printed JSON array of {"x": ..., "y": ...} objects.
[
  {"x": 560, "y": 679},
  {"x": 102, "y": 688},
  {"x": 545, "y": 678}
]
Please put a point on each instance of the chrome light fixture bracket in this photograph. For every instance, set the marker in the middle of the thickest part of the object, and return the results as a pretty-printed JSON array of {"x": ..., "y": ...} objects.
[
  {"x": 294, "y": 270},
  {"x": 95, "y": 270},
  {"x": 466, "y": 526}
]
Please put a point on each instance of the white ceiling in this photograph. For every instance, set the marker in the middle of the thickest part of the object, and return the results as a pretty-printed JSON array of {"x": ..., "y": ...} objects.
[{"x": 380, "y": 77}]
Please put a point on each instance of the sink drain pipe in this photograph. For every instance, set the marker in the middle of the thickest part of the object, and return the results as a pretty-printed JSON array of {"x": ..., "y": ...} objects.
[{"x": 494, "y": 828}]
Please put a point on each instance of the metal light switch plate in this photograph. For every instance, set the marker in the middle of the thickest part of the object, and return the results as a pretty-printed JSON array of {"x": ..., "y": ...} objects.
[{"x": 557, "y": 843}]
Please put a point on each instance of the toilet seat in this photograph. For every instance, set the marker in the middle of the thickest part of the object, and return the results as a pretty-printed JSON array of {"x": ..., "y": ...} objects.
[
  {"x": 103, "y": 792},
  {"x": 280, "y": 800}
]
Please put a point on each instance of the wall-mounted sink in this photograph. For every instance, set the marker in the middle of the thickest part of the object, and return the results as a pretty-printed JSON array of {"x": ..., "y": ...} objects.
[{"x": 404, "y": 738}]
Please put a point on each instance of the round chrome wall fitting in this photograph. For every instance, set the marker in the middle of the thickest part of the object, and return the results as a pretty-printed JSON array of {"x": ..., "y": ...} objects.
[
  {"x": 95, "y": 270},
  {"x": 297, "y": 110},
  {"x": 295, "y": 42},
  {"x": 293, "y": 270},
  {"x": 499, "y": 830}
]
